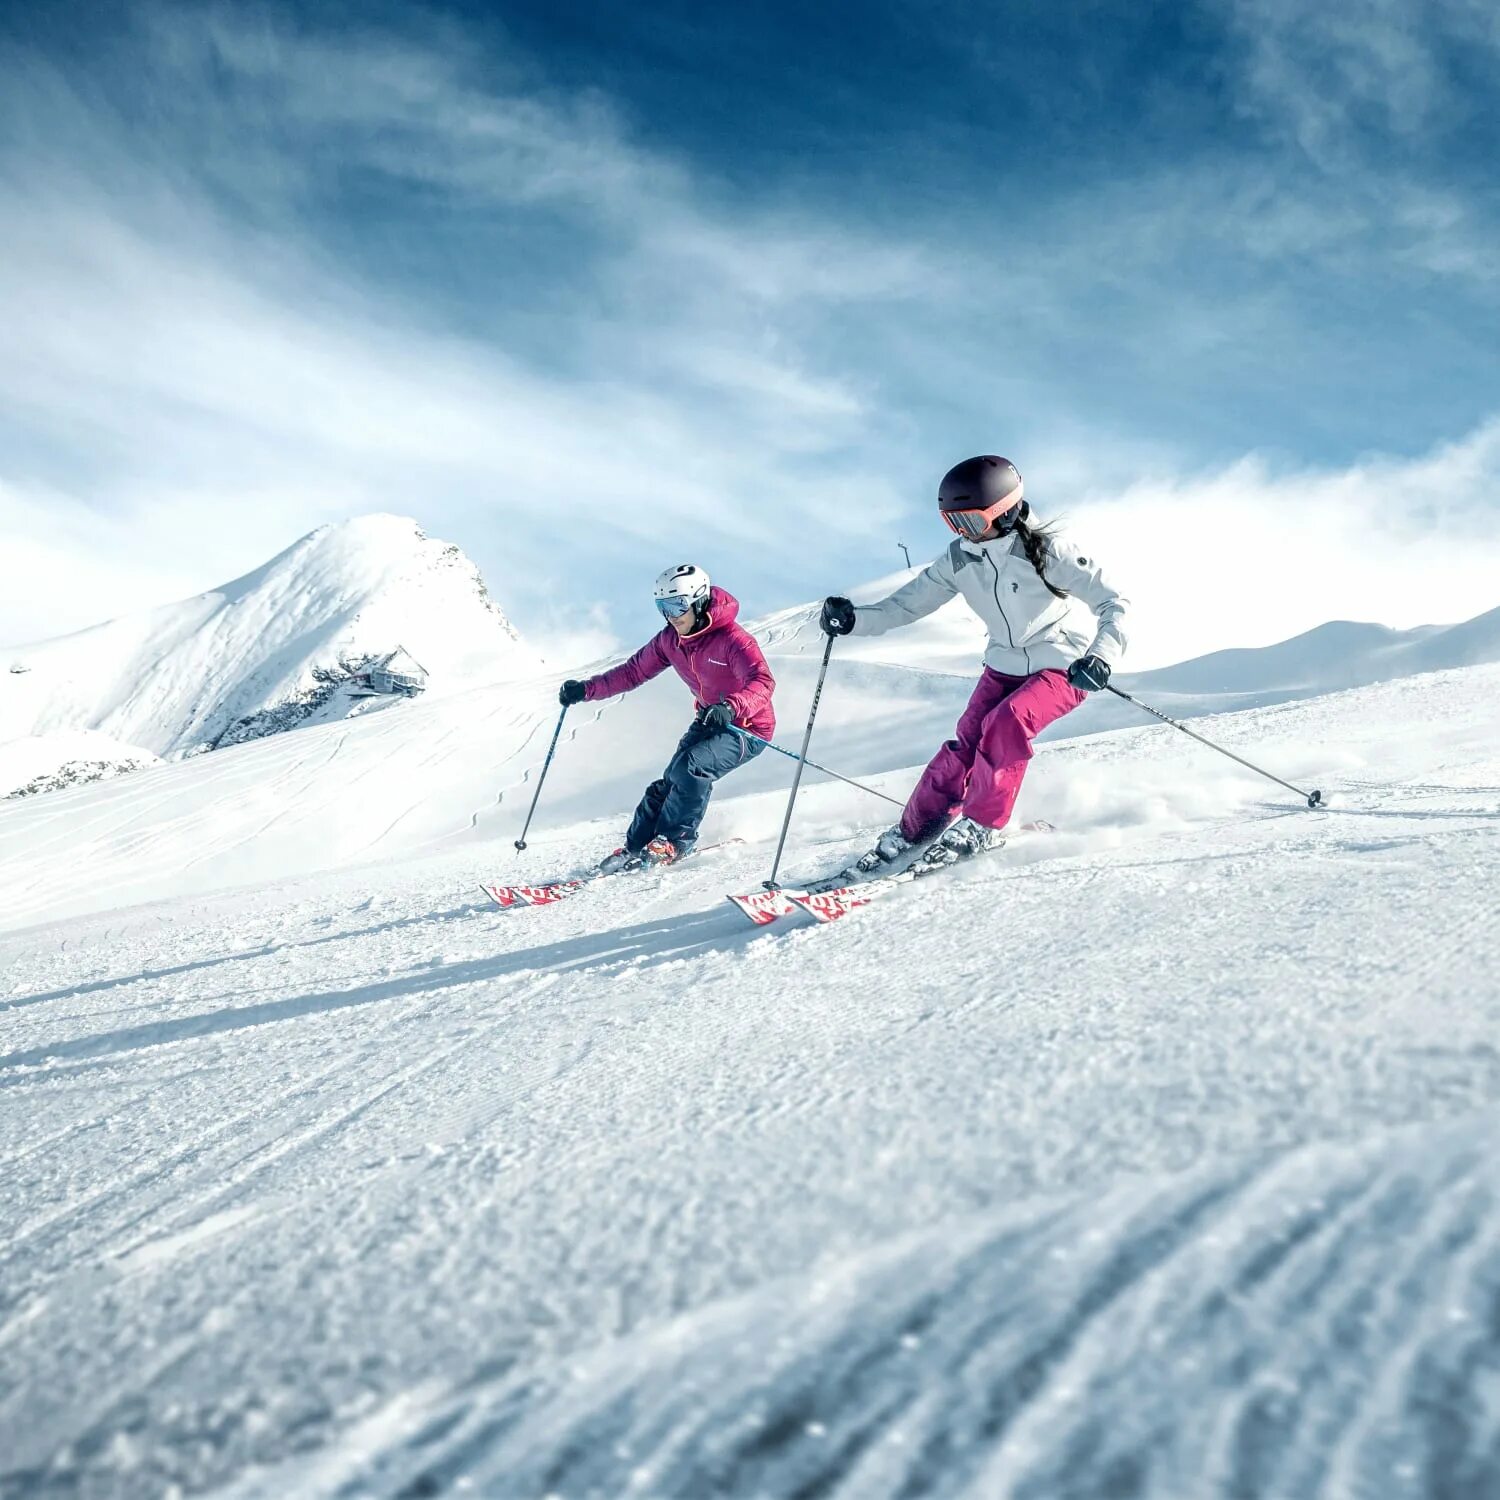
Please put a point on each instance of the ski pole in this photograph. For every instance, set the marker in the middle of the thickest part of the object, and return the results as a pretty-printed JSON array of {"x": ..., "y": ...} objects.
[
  {"x": 551, "y": 751},
  {"x": 791, "y": 801},
  {"x": 1314, "y": 798},
  {"x": 814, "y": 766}
]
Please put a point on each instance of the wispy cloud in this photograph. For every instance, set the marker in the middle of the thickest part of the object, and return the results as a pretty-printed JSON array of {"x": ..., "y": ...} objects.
[
  {"x": 1324, "y": 72},
  {"x": 189, "y": 353},
  {"x": 1380, "y": 97}
]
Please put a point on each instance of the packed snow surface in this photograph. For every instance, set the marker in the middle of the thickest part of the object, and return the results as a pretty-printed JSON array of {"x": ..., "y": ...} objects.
[{"x": 1149, "y": 1157}]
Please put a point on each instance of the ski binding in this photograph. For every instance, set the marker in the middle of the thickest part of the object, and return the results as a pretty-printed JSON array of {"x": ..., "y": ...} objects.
[
  {"x": 549, "y": 892},
  {"x": 826, "y": 900}
]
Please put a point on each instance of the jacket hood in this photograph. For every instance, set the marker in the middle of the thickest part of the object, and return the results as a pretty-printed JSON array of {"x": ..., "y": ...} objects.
[{"x": 723, "y": 609}]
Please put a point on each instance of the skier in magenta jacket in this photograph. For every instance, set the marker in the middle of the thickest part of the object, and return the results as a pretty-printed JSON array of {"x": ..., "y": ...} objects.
[
  {"x": 1018, "y": 577},
  {"x": 732, "y": 687}
]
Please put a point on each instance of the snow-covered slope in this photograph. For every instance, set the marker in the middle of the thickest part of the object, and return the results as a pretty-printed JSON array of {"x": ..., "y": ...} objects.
[
  {"x": 175, "y": 679},
  {"x": 1246, "y": 1328},
  {"x": 454, "y": 768},
  {"x": 1152, "y": 1157},
  {"x": 41, "y": 763},
  {"x": 1340, "y": 654}
]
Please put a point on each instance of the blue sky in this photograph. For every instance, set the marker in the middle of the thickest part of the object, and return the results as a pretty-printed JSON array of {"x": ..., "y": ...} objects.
[{"x": 591, "y": 289}]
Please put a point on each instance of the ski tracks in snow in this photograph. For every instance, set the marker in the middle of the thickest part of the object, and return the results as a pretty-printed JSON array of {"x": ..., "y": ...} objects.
[
  {"x": 1017, "y": 1185},
  {"x": 1256, "y": 1329}
]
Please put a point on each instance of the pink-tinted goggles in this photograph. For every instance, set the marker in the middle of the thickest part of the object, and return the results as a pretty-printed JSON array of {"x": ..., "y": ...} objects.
[{"x": 974, "y": 523}]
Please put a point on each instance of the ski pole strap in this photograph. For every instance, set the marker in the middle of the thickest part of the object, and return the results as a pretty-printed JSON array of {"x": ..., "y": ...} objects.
[
  {"x": 1314, "y": 798},
  {"x": 551, "y": 751},
  {"x": 812, "y": 765}
]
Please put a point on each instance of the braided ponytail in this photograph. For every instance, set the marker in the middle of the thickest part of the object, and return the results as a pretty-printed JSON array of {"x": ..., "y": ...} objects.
[{"x": 1034, "y": 542}]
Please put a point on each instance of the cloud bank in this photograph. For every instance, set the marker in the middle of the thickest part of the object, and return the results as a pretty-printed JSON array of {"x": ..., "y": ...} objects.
[{"x": 1257, "y": 552}]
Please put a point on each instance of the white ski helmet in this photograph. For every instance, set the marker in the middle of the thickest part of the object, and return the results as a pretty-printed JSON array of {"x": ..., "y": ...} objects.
[{"x": 681, "y": 588}]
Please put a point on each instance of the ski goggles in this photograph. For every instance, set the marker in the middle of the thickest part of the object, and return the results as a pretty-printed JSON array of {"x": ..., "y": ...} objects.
[
  {"x": 974, "y": 523},
  {"x": 675, "y": 607}
]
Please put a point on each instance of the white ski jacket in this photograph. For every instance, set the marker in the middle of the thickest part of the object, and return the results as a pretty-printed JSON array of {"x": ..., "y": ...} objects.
[{"x": 1028, "y": 624}]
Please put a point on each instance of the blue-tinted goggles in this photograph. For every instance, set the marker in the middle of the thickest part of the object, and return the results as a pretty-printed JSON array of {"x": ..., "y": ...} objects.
[{"x": 674, "y": 608}]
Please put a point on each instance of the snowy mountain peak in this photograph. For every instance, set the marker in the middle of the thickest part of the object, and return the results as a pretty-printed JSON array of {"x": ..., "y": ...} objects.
[
  {"x": 369, "y": 556},
  {"x": 293, "y": 641}
]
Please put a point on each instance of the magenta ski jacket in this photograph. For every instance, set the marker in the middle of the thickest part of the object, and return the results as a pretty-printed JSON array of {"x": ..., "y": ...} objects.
[{"x": 721, "y": 664}]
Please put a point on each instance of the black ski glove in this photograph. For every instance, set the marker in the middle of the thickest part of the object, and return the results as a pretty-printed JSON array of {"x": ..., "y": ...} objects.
[
  {"x": 717, "y": 716},
  {"x": 1089, "y": 673},
  {"x": 838, "y": 615},
  {"x": 571, "y": 692}
]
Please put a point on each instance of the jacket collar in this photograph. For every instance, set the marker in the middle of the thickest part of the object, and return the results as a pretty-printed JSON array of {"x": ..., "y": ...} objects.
[{"x": 995, "y": 546}]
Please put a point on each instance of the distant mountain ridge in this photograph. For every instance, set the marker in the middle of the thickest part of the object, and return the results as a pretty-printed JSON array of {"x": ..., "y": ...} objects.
[
  {"x": 1340, "y": 654},
  {"x": 272, "y": 649}
]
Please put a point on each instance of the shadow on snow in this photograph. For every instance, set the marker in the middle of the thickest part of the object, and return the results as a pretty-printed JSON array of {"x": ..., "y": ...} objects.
[{"x": 645, "y": 944}]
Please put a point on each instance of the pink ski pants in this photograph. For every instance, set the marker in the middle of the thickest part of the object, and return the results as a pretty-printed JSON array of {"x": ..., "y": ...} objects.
[{"x": 978, "y": 773}]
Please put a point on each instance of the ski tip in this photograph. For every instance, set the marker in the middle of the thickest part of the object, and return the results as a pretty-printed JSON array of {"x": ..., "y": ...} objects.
[
  {"x": 508, "y": 896},
  {"x": 761, "y": 908}
]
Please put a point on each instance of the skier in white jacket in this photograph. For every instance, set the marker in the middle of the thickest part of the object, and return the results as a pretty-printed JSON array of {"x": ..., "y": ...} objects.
[{"x": 1017, "y": 577}]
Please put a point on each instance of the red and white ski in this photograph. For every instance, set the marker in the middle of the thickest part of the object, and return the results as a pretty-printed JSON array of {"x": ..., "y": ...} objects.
[
  {"x": 549, "y": 892},
  {"x": 828, "y": 903},
  {"x": 829, "y": 906},
  {"x": 506, "y": 896},
  {"x": 761, "y": 907}
]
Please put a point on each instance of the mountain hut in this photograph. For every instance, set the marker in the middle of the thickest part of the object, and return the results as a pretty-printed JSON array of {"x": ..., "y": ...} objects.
[{"x": 399, "y": 672}]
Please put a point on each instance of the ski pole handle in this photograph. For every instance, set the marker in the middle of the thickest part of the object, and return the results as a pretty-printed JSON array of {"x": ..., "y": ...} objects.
[
  {"x": 546, "y": 764},
  {"x": 1314, "y": 798}
]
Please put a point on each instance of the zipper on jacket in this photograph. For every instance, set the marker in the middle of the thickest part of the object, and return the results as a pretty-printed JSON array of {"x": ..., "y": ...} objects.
[
  {"x": 691, "y": 658},
  {"x": 995, "y": 589}
]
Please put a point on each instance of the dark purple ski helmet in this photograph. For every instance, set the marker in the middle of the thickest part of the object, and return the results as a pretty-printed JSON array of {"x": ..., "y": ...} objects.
[{"x": 978, "y": 492}]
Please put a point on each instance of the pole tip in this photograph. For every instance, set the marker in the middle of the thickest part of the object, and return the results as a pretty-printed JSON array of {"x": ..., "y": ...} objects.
[
  {"x": 771, "y": 885},
  {"x": 1315, "y": 799},
  {"x": 520, "y": 845}
]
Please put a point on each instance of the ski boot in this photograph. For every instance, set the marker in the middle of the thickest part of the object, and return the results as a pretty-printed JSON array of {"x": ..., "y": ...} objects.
[
  {"x": 621, "y": 859},
  {"x": 963, "y": 840},
  {"x": 659, "y": 852},
  {"x": 891, "y": 854},
  {"x": 889, "y": 851}
]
